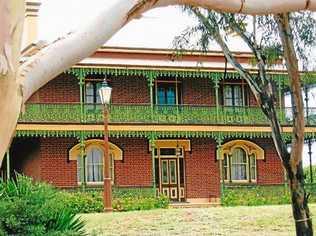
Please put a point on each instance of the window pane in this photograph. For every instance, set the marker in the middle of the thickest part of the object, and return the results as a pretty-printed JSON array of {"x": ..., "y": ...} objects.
[
  {"x": 253, "y": 167},
  {"x": 239, "y": 165},
  {"x": 98, "y": 99},
  {"x": 95, "y": 165},
  {"x": 238, "y": 95},
  {"x": 171, "y": 96},
  {"x": 166, "y": 94},
  {"x": 89, "y": 89},
  {"x": 238, "y": 172},
  {"x": 165, "y": 177},
  {"x": 167, "y": 151},
  {"x": 89, "y": 99},
  {"x": 173, "y": 172},
  {"x": 90, "y": 173},
  {"x": 161, "y": 96},
  {"x": 225, "y": 168},
  {"x": 228, "y": 96}
]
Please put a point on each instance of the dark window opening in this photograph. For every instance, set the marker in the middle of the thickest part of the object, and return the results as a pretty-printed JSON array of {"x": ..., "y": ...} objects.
[
  {"x": 168, "y": 93},
  {"x": 234, "y": 95}
]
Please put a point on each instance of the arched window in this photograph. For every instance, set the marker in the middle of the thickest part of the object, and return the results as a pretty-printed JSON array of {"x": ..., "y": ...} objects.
[
  {"x": 93, "y": 157},
  {"x": 239, "y": 167},
  {"x": 94, "y": 166},
  {"x": 239, "y": 161}
]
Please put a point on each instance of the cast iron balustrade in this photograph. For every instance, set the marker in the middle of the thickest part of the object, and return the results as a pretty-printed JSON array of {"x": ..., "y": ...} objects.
[{"x": 157, "y": 114}]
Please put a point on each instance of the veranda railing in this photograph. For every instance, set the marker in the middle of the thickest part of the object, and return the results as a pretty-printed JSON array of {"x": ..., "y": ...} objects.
[{"x": 157, "y": 114}]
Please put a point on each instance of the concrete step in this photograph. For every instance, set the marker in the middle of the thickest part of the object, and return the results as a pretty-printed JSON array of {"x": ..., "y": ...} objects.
[{"x": 194, "y": 205}]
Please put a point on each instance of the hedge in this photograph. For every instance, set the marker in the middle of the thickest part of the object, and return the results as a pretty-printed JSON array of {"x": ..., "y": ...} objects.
[
  {"x": 260, "y": 195},
  {"x": 123, "y": 200}
]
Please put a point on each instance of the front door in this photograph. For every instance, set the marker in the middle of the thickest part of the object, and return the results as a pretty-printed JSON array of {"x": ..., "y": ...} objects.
[
  {"x": 169, "y": 175},
  {"x": 169, "y": 178}
]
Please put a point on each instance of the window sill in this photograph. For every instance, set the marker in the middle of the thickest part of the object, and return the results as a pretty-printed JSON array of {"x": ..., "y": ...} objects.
[
  {"x": 241, "y": 182},
  {"x": 94, "y": 184}
]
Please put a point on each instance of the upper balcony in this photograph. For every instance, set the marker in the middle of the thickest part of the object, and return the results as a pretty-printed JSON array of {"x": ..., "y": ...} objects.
[{"x": 74, "y": 113}]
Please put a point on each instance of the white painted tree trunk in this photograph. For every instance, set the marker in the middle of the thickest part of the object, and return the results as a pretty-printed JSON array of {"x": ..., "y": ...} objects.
[
  {"x": 10, "y": 90},
  {"x": 67, "y": 51}
]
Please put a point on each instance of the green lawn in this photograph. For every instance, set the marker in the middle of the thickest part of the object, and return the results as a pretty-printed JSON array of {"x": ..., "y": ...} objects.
[{"x": 263, "y": 220}]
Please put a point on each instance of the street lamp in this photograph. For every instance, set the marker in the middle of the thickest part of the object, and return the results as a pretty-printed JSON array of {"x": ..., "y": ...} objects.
[{"x": 105, "y": 96}]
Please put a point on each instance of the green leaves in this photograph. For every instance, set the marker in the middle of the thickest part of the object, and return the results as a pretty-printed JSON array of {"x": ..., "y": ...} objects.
[
  {"x": 30, "y": 208},
  {"x": 66, "y": 221}
]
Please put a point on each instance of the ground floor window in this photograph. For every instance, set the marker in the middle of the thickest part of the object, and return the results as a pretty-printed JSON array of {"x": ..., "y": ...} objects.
[
  {"x": 94, "y": 166},
  {"x": 239, "y": 166},
  {"x": 239, "y": 161}
]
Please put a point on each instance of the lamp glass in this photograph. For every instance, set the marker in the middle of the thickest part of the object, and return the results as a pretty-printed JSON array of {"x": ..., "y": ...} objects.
[{"x": 105, "y": 93}]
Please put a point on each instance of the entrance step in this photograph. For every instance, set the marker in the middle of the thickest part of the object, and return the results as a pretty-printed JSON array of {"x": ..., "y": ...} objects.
[{"x": 194, "y": 205}]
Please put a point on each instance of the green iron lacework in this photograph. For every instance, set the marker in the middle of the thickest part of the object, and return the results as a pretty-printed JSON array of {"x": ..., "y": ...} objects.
[
  {"x": 147, "y": 114},
  {"x": 307, "y": 78},
  {"x": 218, "y": 136}
]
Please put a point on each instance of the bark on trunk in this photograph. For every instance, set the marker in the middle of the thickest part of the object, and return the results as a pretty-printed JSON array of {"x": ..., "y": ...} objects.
[
  {"x": 254, "y": 7},
  {"x": 294, "y": 167},
  {"x": 10, "y": 90}
]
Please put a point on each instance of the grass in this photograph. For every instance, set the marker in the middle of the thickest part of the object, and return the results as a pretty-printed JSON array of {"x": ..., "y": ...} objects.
[{"x": 262, "y": 220}]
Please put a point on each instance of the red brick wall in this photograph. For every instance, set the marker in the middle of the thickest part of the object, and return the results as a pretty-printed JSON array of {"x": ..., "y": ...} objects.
[
  {"x": 202, "y": 170},
  {"x": 55, "y": 168},
  {"x": 51, "y": 163},
  {"x": 128, "y": 89},
  {"x": 63, "y": 89},
  {"x": 136, "y": 167},
  {"x": 270, "y": 170},
  {"x": 197, "y": 91}
]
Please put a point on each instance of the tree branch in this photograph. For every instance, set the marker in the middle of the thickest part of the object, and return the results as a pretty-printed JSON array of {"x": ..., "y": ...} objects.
[
  {"x": 215, "y": 32},
  {"x": 252, "y": 45},
  {"x": 263, "y": 93}
]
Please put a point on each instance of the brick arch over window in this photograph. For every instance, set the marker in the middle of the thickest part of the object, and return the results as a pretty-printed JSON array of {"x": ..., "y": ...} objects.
[
  {"x": 117, "y": 152},
  {"x": 249, "y": 147}
]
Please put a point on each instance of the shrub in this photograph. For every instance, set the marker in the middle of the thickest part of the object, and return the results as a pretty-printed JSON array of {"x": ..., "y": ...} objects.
[
  {"x": 29, "y": 208},
  {"x": 124, "y": 199},
  {"x": 81, "y": 202},
  {"x": 307, "y": 174},
  {"x": 261, "y": 195},
  {"x": 255, "y": 196},
  {"x": 140, "y": 203}
]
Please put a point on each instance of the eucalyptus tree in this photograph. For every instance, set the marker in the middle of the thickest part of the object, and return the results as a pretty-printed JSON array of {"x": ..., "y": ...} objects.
[
  {"x": 269, "y": 37},
  {"x": 18, "y": 81}
]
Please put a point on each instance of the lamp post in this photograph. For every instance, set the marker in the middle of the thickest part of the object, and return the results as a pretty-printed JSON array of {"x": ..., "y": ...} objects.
[{"x": 105, "y": 96}]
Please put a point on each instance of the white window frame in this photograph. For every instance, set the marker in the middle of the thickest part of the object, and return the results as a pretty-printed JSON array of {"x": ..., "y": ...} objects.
[
  {"x": 112, "y": 168},
  {"x": 228, "y": 167}
]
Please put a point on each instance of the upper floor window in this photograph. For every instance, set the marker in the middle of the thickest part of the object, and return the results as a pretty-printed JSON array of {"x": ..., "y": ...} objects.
[
  {"x": 167, "y": 93},
  {"x": 235, "y": 95},
  {"x": 92, "y": 92}
]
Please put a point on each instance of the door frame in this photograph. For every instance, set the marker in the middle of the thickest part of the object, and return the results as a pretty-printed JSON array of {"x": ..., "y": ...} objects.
[{"x": 179, "y": 154}]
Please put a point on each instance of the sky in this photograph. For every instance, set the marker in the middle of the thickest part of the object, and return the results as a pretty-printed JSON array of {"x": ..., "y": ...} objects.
[{"x": 156, "y": 29}]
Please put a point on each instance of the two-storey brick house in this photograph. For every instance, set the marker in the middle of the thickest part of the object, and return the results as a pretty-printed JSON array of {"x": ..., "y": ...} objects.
[{"x": 183, "y": 125}]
